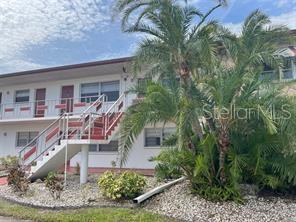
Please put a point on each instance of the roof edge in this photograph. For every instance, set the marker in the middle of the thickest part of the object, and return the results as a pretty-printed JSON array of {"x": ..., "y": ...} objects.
[{"x": 68, "y": 67}]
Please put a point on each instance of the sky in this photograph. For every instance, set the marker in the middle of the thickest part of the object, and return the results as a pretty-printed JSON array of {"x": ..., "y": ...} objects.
[{"x": 37, "y": 34}]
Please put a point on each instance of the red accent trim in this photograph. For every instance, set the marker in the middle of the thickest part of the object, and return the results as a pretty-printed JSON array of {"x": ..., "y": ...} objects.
[
  {"x": 98, "y": 106},
  {"x": 114, "y": 124},
  {"x": 75, "y": 124},
  {"x": 9, "y": 109},
  {"x": 3, "y": 181},
  {"x": 52, "y": 133},
  {"x": 82, "y": 104},
  {"x": 25, "y": 108},
  {"x": 30, "y": 152},
  {"x": 93, "y": 137},
  {"x": 41, "y": 107},
  {"x": 60, "y": 106}
]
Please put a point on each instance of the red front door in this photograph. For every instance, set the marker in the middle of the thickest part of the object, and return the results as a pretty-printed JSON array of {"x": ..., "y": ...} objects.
[
  {"x": 67, "y": 98},
  {"x": 40, "y": 102}
]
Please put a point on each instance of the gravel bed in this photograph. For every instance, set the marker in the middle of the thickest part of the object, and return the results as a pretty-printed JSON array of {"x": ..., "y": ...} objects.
[
  {"x": 73, "y": 196},
  {"x": 179, "y": 203}
]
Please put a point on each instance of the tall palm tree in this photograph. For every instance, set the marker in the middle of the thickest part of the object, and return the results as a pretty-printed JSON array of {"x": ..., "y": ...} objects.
[
  {"x": 240, "y": 86},
  {"x": 175, "y": 45}
]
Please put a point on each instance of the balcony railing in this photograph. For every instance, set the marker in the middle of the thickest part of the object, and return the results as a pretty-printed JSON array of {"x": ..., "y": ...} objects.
[
  {"x": 48, "y": 108},
  {"x": 287, "y": 74}
]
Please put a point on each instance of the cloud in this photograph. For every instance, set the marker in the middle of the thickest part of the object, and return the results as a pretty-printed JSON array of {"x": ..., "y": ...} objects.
[
  {"x": 28, "y": 23},
  {"x": 16, "y": 65},
  {"x": 287, "y": 19},
  {"x": 283, "y": 3},
  {"x": 129, "y": 52}
]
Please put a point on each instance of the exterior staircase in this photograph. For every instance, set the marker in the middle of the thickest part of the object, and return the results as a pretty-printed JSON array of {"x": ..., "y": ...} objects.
[{"x": 63, "y": 138}]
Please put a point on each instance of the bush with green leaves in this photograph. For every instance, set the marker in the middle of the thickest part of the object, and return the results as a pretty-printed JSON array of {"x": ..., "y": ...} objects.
[
  {"x": 168, "y": 164},
  {"x": 126, "y": 185},
  {"x": 18, "y": 180},
  {"x": 234, "y": 124},
  {"x": 55, "y": 184},
  {"x": 9, "y": 162}
]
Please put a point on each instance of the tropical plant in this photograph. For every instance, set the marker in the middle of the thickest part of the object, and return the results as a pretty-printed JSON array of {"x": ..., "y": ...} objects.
[
  {"x": 167, "y": 164},
  {"x": 9, "y": 162},
  {"x": 55, "y": 184},
  {"x": 126, "y": 185},
  {"x": 218, "y": 149},
  {"x": 239, "y": 87},
  {"x": 77, "y": 169},
  {"x": 176, "y": 45},
  {"x": 18, "y": 180}
]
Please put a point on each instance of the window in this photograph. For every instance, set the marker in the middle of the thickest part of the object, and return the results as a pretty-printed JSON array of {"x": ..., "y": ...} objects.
[
  {"x": 287, "y": 69},
  {"x": 142, "y": 84},
  {"x": 152, "y": 137},
  {"x": 111, "y": 90},
  {"x": 89, "y": 92},
  {"x": 22, "y": 96},
  {"x": 23, "y": 138},
  {"x": 111, "y": 147},
  {"x": 155, "y": 136}
]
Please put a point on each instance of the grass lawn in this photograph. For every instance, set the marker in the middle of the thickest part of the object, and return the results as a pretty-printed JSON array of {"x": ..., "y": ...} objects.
[{"x": 88, "y": 214}]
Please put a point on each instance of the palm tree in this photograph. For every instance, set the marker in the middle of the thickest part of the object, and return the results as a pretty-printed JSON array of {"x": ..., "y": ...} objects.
[
  {"x": 240, "y": 85},
  {"x": 175, "y": 45}
]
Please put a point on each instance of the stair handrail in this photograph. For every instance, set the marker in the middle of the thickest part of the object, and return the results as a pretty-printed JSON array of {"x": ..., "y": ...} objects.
[
  {"x": 39, "y": 135},
  {"x": 115, "y": 103},
  {"x": 93, "y": 104},
  {"x": 102, "y": 99},
  {"x": 112, "y": 107},
  {"x": 42, "y": 132}
]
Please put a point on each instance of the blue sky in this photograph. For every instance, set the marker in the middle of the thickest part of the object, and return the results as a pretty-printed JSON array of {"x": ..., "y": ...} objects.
[{"x": 42, "y": 33}]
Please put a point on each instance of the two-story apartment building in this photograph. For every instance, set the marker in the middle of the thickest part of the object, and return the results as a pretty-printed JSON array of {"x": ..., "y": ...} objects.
[
  {"x": 72, "y": 113},
  {"x": 32, "y": 102}
]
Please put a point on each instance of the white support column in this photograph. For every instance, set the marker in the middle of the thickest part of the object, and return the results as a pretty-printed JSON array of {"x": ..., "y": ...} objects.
[
  {"x": 293, "y": 67},
  {"x": 84, "y": 164}
]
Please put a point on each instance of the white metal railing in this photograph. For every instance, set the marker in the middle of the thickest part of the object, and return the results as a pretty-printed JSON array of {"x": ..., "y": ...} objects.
[
  {"x": 286, "y": 74},
  {"x": 53, "y": 134},
  {"x": 49, "y": 137},
  {"x": 86, "y": 118},
  {"x": 76, "y": 128},
  {"x": 46, "y": 108},
  {"x": 114, "y": 113},
  {"x": 108, "y": 115}
]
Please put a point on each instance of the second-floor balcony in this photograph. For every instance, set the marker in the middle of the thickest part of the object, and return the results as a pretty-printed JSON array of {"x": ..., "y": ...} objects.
[
  {"x": 285, "y": 75},
  {"x": 47, "y": 108}
]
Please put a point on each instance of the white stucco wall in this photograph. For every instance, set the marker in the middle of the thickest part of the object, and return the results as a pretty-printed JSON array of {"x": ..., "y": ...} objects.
[
  {"x": 138, "y": 157},
  {"x": 8, "y": 135}
]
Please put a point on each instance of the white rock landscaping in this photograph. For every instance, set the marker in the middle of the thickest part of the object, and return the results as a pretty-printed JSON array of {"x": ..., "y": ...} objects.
[
  {"x": 73, "y": 196},
  {"x": 179, "y": 203}
]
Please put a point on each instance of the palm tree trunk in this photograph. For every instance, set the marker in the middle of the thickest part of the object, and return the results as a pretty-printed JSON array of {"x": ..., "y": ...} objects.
[
  {"x": 222, "y": 175},
  {"x": 223, "y": 142},
  {"x": 184, "y": 73}
]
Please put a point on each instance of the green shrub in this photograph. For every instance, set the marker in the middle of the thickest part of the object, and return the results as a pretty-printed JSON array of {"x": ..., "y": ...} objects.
[
  {"x": 126, "y": 185},
  {"x": 218, "y": 193},
  {"x": 168, "y": 164},
  {"x": 9, "y": 162},
  {"x": 17, "y": 180},
  {"x": 55, "y": 184}
]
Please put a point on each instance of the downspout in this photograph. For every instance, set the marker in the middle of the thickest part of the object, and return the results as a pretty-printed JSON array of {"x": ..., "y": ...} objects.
[{"x": 157, "y": 190}]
